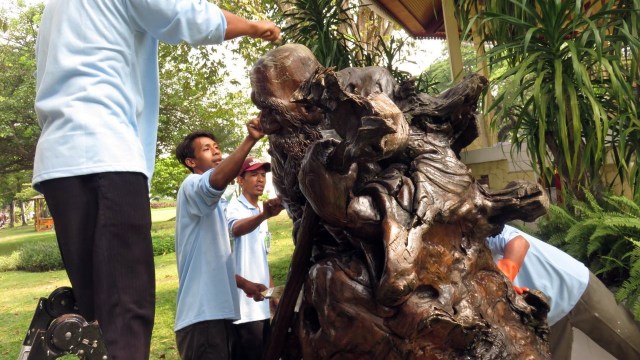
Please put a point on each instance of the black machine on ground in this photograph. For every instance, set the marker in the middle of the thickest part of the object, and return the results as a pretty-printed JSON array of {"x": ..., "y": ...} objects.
[{"x": 57, "y": 330}]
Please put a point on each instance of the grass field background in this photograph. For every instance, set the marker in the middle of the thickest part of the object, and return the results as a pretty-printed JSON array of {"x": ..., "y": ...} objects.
[{"x": 21, "y": 290}]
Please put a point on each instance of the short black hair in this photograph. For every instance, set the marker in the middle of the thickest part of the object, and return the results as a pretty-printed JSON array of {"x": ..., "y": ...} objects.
[{"x": 185, "y": 150}]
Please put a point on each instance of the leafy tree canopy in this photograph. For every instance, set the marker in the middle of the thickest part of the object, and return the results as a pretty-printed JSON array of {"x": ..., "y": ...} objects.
[
  {"x": 19, "y": 129},
  {"x": 168, "y": 177},
  {"x": 11, "y": 184}
]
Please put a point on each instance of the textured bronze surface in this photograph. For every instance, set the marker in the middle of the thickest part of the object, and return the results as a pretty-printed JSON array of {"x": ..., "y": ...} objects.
[{"x": 389, "y": 224}]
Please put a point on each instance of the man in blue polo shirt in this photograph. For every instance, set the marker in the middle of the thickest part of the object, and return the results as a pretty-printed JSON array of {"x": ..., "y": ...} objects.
[
  {"x": 577, "y": 298},
  {"x": 207, "y": 301}
]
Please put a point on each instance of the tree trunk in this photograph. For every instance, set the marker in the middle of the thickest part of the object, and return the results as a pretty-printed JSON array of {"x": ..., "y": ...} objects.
[
  {"x": 23, "y": 216},
  {"x": 12, "y": 214}
]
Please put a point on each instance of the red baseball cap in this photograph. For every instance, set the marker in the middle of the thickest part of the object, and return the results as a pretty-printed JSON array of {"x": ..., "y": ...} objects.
[{"x": 251, "y": 164}]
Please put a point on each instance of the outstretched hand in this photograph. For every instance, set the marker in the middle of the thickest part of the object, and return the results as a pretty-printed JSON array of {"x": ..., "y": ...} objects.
[
  {"x": 272, "y": 207},
  {"x": 254, "y": 290},
  {"x": 266, "y": 30}
]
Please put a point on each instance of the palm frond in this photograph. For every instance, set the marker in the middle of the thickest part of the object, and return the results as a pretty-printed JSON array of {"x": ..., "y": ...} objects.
[{"x": 571, "y": 72}]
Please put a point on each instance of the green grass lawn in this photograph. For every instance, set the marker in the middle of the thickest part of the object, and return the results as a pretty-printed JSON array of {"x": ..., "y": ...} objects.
[{"x": 21, "y": 290}]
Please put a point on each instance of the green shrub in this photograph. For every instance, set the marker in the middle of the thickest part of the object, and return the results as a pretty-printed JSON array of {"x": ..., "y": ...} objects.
[
  {"x": 39, "y": 256},
  {"x": 9, "y": 263},
  {"x": 43, "y": 254},
  {"x": 163, "y": 235},
  {"x": 163, "y": 244}
]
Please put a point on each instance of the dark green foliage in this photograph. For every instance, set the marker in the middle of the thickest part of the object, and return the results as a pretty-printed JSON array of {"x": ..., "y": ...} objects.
[
  {"x": 195, "y": 95},
  {"x": 163, "y": 235},
  {"x": 603, "y": 234},
  {"x": 343, "y": 33},
  {"x": 630, "y": 290},
  {"x": 164, "y": 244},
  {"x": 45, "y": 256},
  {"x": 316, "y": 25},
  {"x": 42, "y": 254},
  {"x": 39, "y": 256},
  {"x": 168, "y": 176},
  {"x": 426, "y": 82}
]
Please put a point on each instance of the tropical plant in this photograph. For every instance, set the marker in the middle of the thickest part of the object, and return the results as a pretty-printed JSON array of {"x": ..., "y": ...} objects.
[
  {"x": 427, "y": 82},
  {"x": 320, "y": 25},
  {"x": 568, "y": 91},
  {"x": 343, "y": 33},
  {"x": 604, "y": 236}
]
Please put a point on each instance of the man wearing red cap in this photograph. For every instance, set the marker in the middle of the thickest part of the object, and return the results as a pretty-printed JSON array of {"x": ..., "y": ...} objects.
[{"x": 248, "y": 225}]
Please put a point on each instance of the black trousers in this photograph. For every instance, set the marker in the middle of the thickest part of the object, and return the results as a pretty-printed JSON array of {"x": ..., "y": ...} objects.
[
  {"x": 103, "y": 223},
  {"x": 206, "y": 340},
  {"x": 252, "y": 338}
]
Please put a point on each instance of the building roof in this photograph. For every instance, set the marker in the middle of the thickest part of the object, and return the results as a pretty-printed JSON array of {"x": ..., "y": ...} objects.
[
  {"x": 420, "y": 18},
  {"x": 424, "y": 18}
]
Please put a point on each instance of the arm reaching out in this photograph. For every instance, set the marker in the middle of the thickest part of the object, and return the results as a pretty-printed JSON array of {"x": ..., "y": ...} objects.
[
  {"x": 228, "y": 169},
  {"x": 514, "y": 254},
  {"x": 238, "y": 26},
  {"x": 271, "y": 208},
  {"x": 253, "y": 290}
]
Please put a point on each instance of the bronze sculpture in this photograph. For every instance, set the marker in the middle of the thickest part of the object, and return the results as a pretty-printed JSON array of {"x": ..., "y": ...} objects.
[{"x": 389, "y": 224}]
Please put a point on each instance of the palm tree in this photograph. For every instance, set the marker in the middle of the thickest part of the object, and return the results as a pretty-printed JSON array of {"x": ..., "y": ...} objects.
[
  {"x": 343, "y": 33},
  {"x": 571, "y": 89}
]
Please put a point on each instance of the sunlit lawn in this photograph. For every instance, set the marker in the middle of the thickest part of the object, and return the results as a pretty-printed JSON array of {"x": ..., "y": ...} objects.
[{"x": 21, "y": 290}]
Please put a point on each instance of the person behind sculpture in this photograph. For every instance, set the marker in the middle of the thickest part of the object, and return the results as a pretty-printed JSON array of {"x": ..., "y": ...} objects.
[
  {"x": 248, "y": 225},
  {"x": 577, "y": 298},
  {"x": 97, "y": 103},
  {"x": 207, "y": 301}
]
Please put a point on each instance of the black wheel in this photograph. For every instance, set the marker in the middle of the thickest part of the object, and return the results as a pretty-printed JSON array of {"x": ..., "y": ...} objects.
[{"x": 61, "y": 301}]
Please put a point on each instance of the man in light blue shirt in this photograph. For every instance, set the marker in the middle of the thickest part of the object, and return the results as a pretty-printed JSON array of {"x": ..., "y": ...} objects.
[
  {"x": 577, "y": 298},
  {"x": 207, "y": 300},
  {"x": 248, "y": 226},
  {"x": 97, "y": 102}
]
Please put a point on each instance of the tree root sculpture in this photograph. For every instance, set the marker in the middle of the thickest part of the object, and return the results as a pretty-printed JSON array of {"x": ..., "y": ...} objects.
[{"x": 390, "y": 225}]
